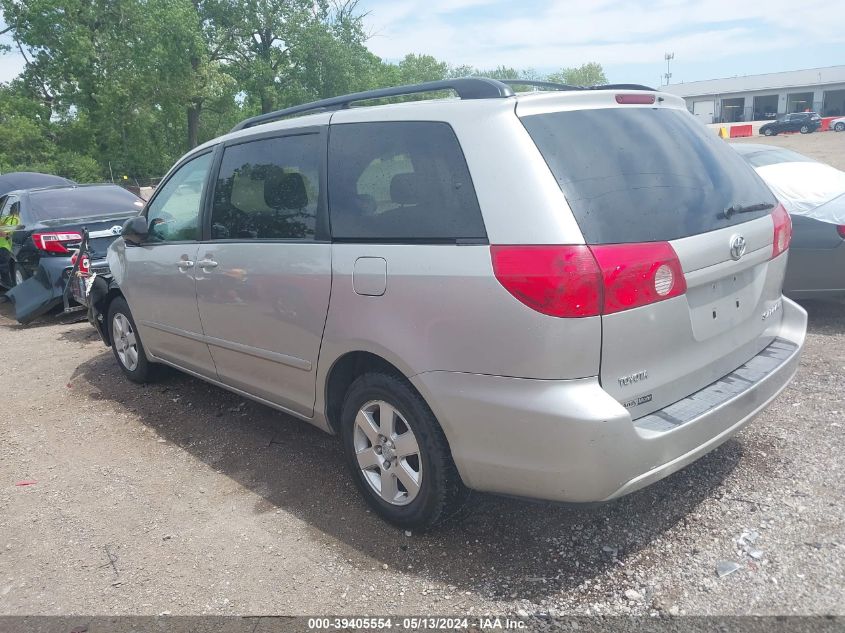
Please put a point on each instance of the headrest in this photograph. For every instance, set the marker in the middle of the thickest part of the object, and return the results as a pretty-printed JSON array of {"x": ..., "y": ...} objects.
[
  {"x": 285, "y": 191},
  {"x": 406, "y": 189}
]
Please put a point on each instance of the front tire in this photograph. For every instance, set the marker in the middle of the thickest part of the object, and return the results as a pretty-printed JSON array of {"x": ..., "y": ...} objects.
[
  {"x": 397, "y": 453},
  {"x": 18, "y": 275},
  {"x": 768, "y": 132},
  {"x": 126, "y": 344},
  {"x": 805, "y": 129},
  {"x": 839, "y": 127}
]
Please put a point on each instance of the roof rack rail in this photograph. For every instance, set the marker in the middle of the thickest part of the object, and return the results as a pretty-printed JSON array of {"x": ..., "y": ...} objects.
[
  {"x": 467, "y": 88},
  {"x": 620, "y": 87},
  {"x": 553, "y": 85},
  {"x": 550, "y": 85}
]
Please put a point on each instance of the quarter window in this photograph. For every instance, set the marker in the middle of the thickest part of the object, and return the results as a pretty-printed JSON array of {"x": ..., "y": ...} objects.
[
  {"x": 400, "y": 181},
  {"x": 174, "y": 213},
  {"x": 268, "y": 189}
]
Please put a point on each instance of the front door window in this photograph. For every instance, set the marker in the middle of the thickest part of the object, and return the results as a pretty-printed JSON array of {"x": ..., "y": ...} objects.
[{"x": 174, "y": 213}]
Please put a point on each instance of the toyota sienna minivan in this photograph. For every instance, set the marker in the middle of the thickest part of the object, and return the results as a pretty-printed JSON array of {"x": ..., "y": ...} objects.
[{"x": 564, "y": 294}]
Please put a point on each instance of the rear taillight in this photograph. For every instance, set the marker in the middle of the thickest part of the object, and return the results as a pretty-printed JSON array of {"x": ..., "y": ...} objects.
[
  {"x": 561, "y": 281},
  {"x": 54, "y": 242},
  {"x": 638, "y": 274},
  {"x": 84, "y": 265},
  {"x": 783, "y": 230},
  {"x": 841, "y": 230},
  {"x": 580, "y": 281}
]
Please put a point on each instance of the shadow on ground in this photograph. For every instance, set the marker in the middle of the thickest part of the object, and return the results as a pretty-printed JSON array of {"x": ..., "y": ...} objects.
[
  {"x": 825, "y": 317},
  {"x": 496, "y": 545}
]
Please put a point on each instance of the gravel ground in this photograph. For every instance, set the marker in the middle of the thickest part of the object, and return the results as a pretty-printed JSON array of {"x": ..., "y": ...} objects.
[{"x": 179, "y": 497}]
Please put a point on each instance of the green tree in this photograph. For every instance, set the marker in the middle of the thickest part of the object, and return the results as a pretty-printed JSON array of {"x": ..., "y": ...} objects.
[{"x": 589, "y": 74}]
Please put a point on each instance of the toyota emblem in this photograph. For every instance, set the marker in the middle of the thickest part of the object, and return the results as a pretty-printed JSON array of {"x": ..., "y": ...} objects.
[{"x": 738, "y": 246}]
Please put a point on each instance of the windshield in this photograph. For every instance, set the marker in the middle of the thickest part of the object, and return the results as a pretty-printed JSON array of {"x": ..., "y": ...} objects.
[
  {"x": 645, "y": 174},
  {"x": 774, "y": 156},
  {"x": 83, "y": 202}
]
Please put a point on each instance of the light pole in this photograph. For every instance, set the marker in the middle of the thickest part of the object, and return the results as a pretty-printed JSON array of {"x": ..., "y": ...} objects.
[{"x": 668, "y": 57}]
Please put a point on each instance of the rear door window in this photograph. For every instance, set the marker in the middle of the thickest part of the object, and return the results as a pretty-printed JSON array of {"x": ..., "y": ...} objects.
[
  {"x": 268, "y": 189},
  {"x": 645, "y": 174},
  {"x": 401, "y": 181}
]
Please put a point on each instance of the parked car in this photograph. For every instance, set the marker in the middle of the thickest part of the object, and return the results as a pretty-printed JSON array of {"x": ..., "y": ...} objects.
[
  {"x": 40, "y": 229},
  {"x": 837, "y": 125},
  {"x": 564, "y": 295},
  {"x": 814, "y": 195},
  {"x": 804, "y": 122},
  {"x": 29, "y": 180}
]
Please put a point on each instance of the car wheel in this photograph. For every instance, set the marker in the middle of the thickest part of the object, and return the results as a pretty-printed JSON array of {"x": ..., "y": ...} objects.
[
  {"x": 18, "y": 275},
  {"x": 839, "y": 127},
  {"x": 397, "y": 453},
  {"x": 768, "y": 132},
  {"x": 126, "y": 344},
  {"x": 805, "y": 129}
]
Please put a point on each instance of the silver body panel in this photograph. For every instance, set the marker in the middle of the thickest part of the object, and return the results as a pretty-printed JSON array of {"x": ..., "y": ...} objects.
[
  {"x": 569, "y": 440},
  {"x": 531, "y": 404},
  {"x": 163, "y": 301},
  {"x": 263, "y": 308}
]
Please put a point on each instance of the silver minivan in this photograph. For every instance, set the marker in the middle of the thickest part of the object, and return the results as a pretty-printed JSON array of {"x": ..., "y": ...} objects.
[{"x": 564, "y": 294}]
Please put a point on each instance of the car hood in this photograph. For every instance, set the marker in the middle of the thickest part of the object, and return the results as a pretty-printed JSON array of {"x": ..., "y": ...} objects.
[{"x": 814, "y": 190}]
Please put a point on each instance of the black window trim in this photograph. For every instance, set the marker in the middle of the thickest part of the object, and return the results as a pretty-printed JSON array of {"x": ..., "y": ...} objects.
[
  {"x": 443, "y": 241},
  {"x": 321, "y": 232},
  {"x": 214, "y": 150}
]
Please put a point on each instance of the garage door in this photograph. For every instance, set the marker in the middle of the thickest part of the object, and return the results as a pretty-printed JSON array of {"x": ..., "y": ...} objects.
[{"x": 704, "y": 110}]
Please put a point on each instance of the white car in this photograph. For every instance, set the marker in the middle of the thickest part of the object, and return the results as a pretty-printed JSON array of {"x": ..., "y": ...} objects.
[
  {"x": 838, "y": 124},
  {"x": 814, "y": 195}
]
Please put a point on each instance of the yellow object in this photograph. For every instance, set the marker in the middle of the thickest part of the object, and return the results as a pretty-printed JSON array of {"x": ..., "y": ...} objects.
[{"x": 723, "y": 132}]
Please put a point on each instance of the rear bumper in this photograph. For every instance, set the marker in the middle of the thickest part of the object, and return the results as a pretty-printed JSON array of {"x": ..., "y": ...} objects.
[{"x": 568, "y": 440}]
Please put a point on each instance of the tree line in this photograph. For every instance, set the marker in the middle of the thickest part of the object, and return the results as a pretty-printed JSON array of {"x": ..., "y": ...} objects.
[{"x": 112, "y": 88}]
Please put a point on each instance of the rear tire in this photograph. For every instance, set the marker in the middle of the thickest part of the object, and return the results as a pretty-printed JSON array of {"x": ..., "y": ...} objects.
[
  {"x": 839, "y": 127},
  {"x": 126, "y": 344},
  {"x": 402, "y": 465}
]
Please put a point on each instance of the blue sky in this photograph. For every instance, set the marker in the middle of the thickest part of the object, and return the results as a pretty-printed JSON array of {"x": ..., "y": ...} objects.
[{"x": 710, "y": 38}]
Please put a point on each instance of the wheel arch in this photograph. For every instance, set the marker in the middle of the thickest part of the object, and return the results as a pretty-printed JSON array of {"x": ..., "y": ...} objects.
[
  {"x": 100, "y": 308},
  {"x": 343, "y": 372}
]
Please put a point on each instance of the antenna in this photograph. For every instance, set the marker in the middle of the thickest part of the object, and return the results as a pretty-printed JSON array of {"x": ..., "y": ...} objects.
[{"x": 668, "y": 57}]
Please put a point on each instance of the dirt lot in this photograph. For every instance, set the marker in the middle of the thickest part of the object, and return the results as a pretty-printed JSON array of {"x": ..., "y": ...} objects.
[{"x": 179, "y": 497}]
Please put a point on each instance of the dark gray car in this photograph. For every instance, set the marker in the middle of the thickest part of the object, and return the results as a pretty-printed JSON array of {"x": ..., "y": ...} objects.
[{"x": 814, "y": 195}]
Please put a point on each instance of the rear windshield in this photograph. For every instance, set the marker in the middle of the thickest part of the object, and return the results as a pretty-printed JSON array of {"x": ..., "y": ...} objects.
[
  {"x": 645, "y": 174},
  {"x": 83, "y": 202},
  {"x": 774, "y": 156}
]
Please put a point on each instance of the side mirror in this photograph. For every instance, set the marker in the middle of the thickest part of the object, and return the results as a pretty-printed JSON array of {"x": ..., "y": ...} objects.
[{"x": 135, "y": 230}]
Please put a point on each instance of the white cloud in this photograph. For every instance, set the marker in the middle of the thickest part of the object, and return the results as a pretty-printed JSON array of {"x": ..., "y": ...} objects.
[{"x": 611, "y": 32}]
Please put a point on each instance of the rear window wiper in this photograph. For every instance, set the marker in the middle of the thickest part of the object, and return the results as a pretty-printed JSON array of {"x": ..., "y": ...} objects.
[{"x": 738, "y": 208}]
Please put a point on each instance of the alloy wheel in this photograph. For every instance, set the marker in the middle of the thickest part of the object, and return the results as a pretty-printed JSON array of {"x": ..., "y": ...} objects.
[
  {"x": 19, "y": 278},
  {"x": 388, "y": 453},
  {"x": 125, "y": 342}
]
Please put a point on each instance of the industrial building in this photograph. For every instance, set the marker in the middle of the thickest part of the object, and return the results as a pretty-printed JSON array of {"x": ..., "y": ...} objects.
[{"x": 765, "y": 97}]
